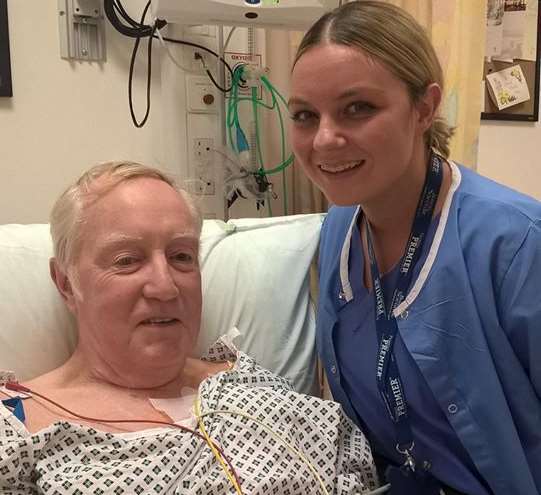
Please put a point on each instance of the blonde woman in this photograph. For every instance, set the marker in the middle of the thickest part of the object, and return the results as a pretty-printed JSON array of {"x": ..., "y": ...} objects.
[{"x": 430, "y": 309}]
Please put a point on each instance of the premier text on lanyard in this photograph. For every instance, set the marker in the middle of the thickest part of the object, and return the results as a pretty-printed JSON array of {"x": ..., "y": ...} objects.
[{"x": 388, "y": 376}]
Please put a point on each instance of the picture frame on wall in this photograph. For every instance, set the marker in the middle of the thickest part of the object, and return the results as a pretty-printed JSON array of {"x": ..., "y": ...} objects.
[
  {"x": 6, "y": 88},
  {"x": 512, "y": 60}
]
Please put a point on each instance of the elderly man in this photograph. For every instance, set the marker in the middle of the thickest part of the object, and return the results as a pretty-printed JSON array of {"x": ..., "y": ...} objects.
[{"x": 117, "y": 417}]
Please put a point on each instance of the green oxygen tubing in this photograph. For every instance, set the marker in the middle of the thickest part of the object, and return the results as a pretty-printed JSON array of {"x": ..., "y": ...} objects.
[{"x": 237, "y": 137}]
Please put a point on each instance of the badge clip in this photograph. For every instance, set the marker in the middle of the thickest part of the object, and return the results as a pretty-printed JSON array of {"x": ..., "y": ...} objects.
[{"x": 409, "y": 463}]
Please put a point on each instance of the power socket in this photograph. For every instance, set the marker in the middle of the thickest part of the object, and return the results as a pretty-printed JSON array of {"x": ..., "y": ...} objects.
[
  {"x": 205, "y": 184},
  {"x": 203, "y": 149}
]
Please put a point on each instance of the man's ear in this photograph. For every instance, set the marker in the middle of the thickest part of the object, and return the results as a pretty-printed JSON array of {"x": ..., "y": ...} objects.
[
  {"x": 63, "y": 284},
  {"x": 428, "y": 104}
]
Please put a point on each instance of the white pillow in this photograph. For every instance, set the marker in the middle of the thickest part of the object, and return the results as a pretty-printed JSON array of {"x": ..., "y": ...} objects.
[
  {"x": 255, "y": 276},
  {"x": 36, "y": 330}
]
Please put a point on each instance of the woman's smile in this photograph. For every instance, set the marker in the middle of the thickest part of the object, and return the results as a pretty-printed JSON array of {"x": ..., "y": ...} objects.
[
  {"x": 355, "y": 132},
  {"x": 338, "y": 168}
]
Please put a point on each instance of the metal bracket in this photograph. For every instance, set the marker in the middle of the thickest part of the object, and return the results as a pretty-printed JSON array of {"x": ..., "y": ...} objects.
[{"x": 82, "y": 29}]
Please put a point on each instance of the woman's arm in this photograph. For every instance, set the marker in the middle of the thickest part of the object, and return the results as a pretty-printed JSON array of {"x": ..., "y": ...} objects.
[{"x": 520, "y": 304}]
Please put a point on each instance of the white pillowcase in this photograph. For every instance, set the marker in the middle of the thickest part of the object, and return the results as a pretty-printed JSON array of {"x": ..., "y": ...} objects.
[{"x": 255, "y": 276}]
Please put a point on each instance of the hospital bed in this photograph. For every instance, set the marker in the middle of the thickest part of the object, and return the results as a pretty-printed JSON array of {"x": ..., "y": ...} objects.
[{"x": 255, "y": 276}]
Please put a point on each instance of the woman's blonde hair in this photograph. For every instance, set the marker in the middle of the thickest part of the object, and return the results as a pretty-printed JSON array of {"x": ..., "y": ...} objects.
[
  {"x": 388, "y": 34},
  {"x": 68, "y": 213}
]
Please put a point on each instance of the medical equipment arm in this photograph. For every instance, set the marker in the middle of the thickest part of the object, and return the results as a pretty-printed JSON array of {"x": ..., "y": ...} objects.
[{"x": 280, "y": 14}]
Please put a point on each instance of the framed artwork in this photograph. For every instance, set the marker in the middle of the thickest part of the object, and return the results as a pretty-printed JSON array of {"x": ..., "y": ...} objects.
[
  {"x": 5, "y": 64},
  {"x": 511, "y": 65}
]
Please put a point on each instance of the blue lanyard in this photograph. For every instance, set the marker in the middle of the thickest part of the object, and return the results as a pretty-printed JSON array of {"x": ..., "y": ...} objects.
[{"x": 387, "y": 373}]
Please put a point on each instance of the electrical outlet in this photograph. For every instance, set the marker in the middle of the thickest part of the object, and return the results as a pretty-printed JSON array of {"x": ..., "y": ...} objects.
[
  {"x": 205, "y": 184},
  {"x": 203, "y": 149}
]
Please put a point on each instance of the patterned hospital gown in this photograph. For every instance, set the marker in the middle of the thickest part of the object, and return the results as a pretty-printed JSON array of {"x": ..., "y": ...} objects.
[{"x": 68, "y": 458}]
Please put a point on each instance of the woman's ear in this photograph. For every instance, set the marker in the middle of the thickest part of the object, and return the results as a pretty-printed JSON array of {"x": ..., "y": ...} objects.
[
  {"x": 62, "y": 283},
  {"x": 428, "y": 104}
]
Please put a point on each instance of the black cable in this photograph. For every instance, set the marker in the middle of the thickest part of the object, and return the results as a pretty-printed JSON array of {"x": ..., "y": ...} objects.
[
  {"x": 149, "y": 71},
  {"x": 141, "y": 30},
  {"x": 223, "y": 90},
  {"x": 208, "y": 50},
  {"x": 133, "y": 29},
  {"x": 120, "y": 8},
  {"x": 199, "y": 57}
]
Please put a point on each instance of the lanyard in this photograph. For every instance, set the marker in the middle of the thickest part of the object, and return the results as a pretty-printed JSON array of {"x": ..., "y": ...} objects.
[{"x": 387, "y": 374}]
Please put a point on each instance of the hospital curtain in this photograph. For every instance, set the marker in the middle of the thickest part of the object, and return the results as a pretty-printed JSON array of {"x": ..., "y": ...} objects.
[
  {"x": 457, "y": 30},
  {"x": 302, "y": 196}
]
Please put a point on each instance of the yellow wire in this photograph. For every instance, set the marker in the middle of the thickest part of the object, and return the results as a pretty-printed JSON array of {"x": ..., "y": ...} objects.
[
  {"x": 210, "y": 443},
  {"x": 273, "y": 433}
]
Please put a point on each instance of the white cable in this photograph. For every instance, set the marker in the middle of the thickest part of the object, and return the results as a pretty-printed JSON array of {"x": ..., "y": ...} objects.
[
  {"x": 278, "y": 437},
  {"x": 377, "y": 491},
  {"x": 228, "y": 40},
  {"x": 222, "y": 52},
  {"x": 238, "y": 167},
  {"x": 168, "y": 51}
]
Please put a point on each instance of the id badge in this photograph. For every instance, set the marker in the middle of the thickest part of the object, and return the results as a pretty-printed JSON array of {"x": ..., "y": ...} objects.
[{"x": 404, "y": 481}]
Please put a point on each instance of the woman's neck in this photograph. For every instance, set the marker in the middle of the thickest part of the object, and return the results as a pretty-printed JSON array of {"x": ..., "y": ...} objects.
[
  {"x": 392, "y": 212},
  {"x": 390, "y": 216}
]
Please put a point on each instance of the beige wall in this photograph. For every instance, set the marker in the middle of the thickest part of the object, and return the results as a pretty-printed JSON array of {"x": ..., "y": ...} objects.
[
  {"x": 510, "y": 153},
  {"x": 64, "y": 115}
]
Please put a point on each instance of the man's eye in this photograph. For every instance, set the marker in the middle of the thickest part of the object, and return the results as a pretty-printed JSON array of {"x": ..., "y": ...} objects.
[
  {"x": 183, "y": 257},
  {"x": 125, "y": 261},
  {"x": 359, "y": 108}
]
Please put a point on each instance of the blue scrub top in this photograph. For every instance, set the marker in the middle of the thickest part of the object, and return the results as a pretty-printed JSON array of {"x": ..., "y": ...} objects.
[{"x": 356, "y": 350}]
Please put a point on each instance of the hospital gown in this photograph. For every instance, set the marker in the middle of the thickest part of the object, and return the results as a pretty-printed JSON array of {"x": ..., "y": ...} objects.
[{"x": 68, "y": 458}]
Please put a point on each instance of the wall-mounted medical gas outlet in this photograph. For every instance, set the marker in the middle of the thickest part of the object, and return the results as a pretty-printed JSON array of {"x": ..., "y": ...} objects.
[{"x": 253, "y": 67}]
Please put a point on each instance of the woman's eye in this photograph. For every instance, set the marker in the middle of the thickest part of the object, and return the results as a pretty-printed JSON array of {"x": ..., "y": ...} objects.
[
  {"x": 302, "y": 116},
  {"x": 359, "y": 108}
]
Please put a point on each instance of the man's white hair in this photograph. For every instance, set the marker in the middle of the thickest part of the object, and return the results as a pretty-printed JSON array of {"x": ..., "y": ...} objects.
[{"x": 68, "y": 213}]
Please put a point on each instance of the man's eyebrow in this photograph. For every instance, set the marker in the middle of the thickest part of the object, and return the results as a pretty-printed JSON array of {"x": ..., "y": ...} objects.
[
  {"x": 185, "y": 236},
  {"x": 118, "y": 238},
  {"x": 115, "y": 239}
]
